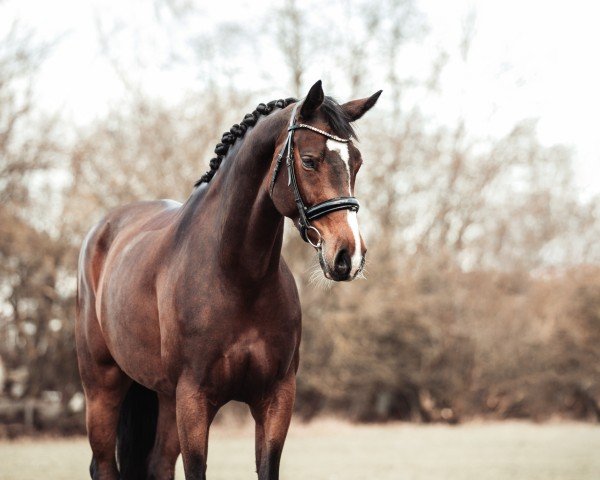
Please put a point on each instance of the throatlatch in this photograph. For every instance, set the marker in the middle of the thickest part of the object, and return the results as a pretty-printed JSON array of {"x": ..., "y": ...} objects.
[{"x": 306, "y": 214}]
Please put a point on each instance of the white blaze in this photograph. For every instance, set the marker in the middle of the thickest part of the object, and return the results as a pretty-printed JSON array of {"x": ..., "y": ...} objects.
[
  {"x": 342, "y": 150},
  {"x": 356, "y": 256}
]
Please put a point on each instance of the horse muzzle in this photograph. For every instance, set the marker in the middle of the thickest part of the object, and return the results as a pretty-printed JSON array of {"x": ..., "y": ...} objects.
[{"x": 341, "y": 264}]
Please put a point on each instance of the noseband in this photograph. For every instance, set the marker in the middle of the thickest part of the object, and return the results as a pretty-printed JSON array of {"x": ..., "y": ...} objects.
[{"x": 307, "y": 214}]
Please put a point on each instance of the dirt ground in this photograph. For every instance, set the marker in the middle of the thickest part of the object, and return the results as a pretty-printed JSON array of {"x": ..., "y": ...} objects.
[{"x": 332, "y": 450}]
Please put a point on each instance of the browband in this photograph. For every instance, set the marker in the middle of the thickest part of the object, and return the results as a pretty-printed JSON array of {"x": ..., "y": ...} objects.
[
  {"x": 306, "y": 214},
  {"x": 298, "y": 126}
]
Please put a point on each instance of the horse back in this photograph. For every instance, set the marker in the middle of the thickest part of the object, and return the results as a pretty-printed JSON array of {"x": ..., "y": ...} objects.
[{"x": 120, "y": 221}]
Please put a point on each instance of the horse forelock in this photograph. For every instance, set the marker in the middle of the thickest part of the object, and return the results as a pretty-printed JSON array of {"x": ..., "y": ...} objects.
[{"x": 336, "y": 118}]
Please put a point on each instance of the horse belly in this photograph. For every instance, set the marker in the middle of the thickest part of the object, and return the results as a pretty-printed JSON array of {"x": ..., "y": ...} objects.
[
  {"x": 137, "y": 350},
  {"x": 129, "y": 321}
]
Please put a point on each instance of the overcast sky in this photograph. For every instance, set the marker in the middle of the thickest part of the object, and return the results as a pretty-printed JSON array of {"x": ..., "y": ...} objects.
[{"x": 529, "y": 59}]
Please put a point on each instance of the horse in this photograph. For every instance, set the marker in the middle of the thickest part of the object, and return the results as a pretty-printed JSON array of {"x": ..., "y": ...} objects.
[{"x": 182, "y": 308}]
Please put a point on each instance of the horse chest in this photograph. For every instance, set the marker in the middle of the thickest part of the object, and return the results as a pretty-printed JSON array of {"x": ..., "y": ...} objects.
[
  {"x": 251, "y": 363},
  {"x": 237, "y": 346}
]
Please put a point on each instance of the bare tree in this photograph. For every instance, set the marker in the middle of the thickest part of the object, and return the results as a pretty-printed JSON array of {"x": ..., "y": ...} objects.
[
  {"x": 483, "y": 281},
  {"x": 292, "y": 40}
]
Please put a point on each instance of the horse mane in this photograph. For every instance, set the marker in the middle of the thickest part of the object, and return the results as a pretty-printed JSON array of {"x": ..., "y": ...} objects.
[{"x": 336, "y": 117}]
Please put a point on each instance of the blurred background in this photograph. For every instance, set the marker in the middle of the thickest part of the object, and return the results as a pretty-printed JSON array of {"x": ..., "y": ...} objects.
[{"x": 479, "y": 191}]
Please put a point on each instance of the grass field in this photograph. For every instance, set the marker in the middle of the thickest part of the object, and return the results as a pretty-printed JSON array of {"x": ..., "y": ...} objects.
[{"x": 329, "y": 450}]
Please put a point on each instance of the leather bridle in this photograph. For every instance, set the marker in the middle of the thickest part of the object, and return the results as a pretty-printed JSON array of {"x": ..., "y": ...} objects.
[{"x": 307, "y": 214}]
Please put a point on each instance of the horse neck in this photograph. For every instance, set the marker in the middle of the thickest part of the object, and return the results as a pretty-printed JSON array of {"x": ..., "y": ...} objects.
[{"x": 236, "y": 210}]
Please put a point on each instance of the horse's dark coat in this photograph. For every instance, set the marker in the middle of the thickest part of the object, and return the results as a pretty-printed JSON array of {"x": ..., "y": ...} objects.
[{"x": 195, "y": 303}]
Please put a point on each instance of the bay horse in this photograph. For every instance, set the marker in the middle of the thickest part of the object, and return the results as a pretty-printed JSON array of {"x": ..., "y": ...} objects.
[{"x": 182, "y": 308}]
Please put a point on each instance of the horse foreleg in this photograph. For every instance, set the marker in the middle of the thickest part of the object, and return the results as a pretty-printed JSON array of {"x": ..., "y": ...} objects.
[
  {"x": 259, "y": 440},
  {"x": 273, "y": 420},
  {"x": 166, "y": 446},
  {"x": 194, "y": 416}
]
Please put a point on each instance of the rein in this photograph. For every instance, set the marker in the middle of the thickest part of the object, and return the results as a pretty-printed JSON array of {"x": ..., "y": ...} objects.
[{"x": 307, "y": 214}]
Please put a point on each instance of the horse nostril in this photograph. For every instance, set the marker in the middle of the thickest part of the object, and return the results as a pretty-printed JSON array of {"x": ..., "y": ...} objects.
[{"x": 343, "y": 263}]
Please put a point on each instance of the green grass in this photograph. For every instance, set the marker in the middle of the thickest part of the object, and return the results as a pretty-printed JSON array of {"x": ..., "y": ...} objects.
[{"x": 329, "y": 450}]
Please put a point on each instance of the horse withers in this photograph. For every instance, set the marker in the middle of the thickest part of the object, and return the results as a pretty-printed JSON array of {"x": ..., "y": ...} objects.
[{"x": 184, "y": 307}]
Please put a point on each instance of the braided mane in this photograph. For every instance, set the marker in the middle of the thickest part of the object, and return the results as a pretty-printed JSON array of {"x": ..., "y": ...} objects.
[
  {"x": 238, "y": 131},
  {"x": 336, "y": 116}
]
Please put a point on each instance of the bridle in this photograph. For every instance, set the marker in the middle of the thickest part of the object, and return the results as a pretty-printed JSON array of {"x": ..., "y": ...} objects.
[{"x": 307, "y": 214}]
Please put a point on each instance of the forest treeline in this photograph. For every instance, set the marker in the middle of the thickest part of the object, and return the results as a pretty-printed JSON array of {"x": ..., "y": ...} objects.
[{"x": 482, "y": 296}]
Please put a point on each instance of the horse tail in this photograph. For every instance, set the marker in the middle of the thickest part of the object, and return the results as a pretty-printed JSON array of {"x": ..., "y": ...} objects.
[{"x": 136, "y": 431}]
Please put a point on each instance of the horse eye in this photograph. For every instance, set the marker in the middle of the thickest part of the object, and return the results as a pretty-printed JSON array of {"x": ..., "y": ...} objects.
[{"x": 308, "y": 163}]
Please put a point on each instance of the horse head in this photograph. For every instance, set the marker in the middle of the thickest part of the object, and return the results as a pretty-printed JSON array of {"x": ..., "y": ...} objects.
[{"x": 322, "y": 162}]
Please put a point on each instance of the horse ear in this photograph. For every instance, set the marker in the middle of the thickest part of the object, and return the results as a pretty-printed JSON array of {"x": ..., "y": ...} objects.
[
  {"x": 313, "y": 100},
  {"x": 357, "y": 108}
]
